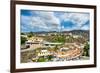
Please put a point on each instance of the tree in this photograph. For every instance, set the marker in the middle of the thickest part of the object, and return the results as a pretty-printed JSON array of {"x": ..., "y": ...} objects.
[
  {"x": 50, "y": 57},
  {"x": 23, "y": 39},
  {"x": 30, "y": 34},
  {"x": 22, "y": 33},
  {"x": 42, "y": 59},
  {"x": 59, "y": 38},
  {"x": 55, "y": 48},
  {"x": 86, "y": 49}
]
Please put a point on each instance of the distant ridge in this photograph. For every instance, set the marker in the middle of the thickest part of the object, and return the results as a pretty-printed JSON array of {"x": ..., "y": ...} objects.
[{"x": 59, "y": 31}]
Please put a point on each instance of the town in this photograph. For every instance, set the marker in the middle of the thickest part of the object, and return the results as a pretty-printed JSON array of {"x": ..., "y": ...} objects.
[{"x": 54, "y": 46}]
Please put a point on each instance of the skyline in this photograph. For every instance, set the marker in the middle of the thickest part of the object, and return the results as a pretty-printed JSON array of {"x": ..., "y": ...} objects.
[{"x": 36, "y": 21}]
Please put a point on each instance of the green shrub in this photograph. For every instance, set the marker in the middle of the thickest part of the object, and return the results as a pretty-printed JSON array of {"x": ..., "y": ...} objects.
[{"x": 23, "y": 39}]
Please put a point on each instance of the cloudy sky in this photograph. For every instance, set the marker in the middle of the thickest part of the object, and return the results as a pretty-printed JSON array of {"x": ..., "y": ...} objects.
[{"x": 37, "y": 21}]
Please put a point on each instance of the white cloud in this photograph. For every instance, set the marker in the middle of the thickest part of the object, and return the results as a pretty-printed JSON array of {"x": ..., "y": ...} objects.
[
  {"x": 37, "y": 22},
  {"x": 44, "y": 20},
  {"x": 69, "y": 29},
  {"x": 79, "y": 19},
  {"x": 49, "y": 19},
  {"x": 25, "y": 20},
  {"x": 85, "y": 27}
]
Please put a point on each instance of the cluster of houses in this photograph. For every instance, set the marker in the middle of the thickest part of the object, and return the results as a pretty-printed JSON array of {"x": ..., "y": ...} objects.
[
  {"x": 65, "y": 53},
  {"x": 68, "y": 51},
  {"x": 37, "y": 42}
]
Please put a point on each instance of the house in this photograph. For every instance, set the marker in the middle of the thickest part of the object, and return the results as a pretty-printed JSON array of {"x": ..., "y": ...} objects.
[
  {"x": 35, "y": 39},
  {"x": 70, "y": 52},
  {"x": 24, "y": 36},
  {"x": 50, "y": 44},
  {"x": 64, "y": 49},
  {"x": 34, "y": 42},
  {"x": 44, "y": 52}
]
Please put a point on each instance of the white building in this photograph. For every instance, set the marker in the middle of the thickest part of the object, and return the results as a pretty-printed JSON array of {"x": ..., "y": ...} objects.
[
  {"x": 50, "y": 44},
  {"x": 44, "y": 53},
  {"x": 64, "y": 48}
]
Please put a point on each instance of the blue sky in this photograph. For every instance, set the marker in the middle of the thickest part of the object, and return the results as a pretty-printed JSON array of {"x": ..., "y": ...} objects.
[{"x": 36, "y": 21}]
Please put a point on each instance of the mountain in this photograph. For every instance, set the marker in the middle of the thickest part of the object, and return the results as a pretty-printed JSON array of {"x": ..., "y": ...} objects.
[{"x": 77, "y": 31}]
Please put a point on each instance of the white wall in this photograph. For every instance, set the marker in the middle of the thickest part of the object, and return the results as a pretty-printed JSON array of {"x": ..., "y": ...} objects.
[{"x": 5, "y": 37}]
